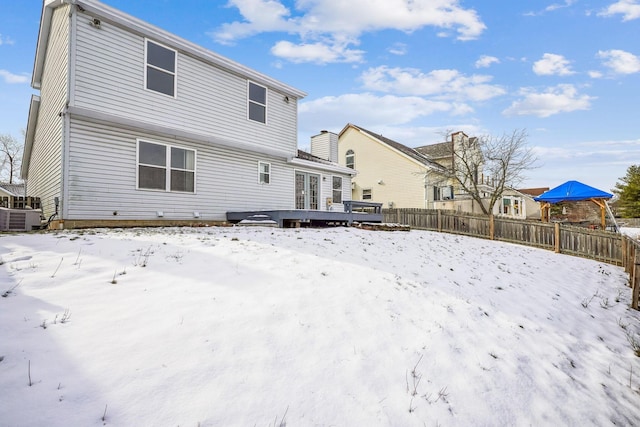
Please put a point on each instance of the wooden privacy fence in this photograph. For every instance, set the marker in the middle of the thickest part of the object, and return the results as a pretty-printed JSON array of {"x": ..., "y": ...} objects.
[{"x": 598, "y": 245}]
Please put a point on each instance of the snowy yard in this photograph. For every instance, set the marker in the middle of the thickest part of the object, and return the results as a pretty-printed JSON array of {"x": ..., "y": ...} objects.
[{"x": 252, "y": 326}]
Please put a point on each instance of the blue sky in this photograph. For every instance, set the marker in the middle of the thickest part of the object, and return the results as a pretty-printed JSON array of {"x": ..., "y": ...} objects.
[{"x": 567, "y": 71}]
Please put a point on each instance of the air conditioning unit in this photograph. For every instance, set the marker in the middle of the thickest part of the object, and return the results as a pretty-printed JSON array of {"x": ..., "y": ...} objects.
[{"x": 19, "y": 219}]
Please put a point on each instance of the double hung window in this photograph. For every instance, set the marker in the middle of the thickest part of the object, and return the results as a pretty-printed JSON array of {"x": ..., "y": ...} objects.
[
  {"x": 166, "y": 168},
  {"x": 337, "y": 189},
  {"x": 257, "y": 103},
  {"x": 264, "y": 172},
  {"x": 160, "y": 68}
]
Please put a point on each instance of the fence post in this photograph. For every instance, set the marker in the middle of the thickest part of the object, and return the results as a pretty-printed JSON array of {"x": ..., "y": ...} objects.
[
  {"x": 439, "y": 220},
  {"x": 492, "y": 227},
  {"x": 635, "y": 281},
  {"x": 557, "y": 237}
]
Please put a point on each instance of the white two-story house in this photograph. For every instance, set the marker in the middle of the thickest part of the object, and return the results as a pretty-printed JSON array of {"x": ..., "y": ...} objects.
[{"x": 135, "y": 125}]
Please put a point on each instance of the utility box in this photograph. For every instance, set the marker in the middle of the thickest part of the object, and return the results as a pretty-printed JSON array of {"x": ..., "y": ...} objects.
[{"x": 19, "y": 219}]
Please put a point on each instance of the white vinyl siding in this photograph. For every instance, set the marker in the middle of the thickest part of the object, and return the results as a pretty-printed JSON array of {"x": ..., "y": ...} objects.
[
  {"x": 160, "y": 68},
  {"x": 110, "y": 70},
  {"x": 103, "y": 178},
  {"x": 45, "y": 167}
]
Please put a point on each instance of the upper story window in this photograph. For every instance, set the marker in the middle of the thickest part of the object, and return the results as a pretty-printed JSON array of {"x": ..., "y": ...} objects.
[
  {"x": 350, "y": 159},
  {"x": 166, "y": 168},
  {"x": 366, "y": 194},
  {"x": 337, "y": 189},
  {"x": 160, "y": 68},
  {"x": 264, "y": 172},
  {"x": 257, "y": 103}
]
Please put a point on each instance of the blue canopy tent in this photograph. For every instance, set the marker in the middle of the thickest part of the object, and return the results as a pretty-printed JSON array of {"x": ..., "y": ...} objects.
[{"x": 573, "y": 191}]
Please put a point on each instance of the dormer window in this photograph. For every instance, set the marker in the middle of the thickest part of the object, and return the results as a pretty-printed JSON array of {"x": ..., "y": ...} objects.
[
  {"x": 160, "y": 68},
  {"x": 257, "y": 108}
]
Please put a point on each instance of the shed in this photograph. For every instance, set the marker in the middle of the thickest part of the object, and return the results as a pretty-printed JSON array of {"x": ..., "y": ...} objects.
[{"x": 573, "y": 191}]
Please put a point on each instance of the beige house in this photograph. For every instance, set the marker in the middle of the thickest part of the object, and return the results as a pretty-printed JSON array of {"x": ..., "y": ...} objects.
[
  {"x": 398, "y": 176},
  {"x": 389, "y": 172}
]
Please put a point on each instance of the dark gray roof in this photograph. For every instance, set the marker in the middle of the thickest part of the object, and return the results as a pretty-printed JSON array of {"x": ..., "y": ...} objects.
[
  {"x": 402, "y": 148},
  {"x": 310, "y": 157},
  {"x": 436, "y": 151}
]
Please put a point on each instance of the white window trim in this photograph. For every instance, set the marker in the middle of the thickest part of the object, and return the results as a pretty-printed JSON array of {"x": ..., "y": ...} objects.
[
  {"x": 265, "y": 105},
  {"x": 370, "y": 193},
  {"x": 341, "y": 189},
  {"x": 352, "y": 154},
  {"x": 175, "y": 67},
  {"x": 260, "y": 163},
  {"x": 167, "y": 167}
]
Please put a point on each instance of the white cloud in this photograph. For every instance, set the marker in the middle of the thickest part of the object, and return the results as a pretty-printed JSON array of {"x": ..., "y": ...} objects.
[
  {"x": 5, "y": 40},
  {"x": 552, "y": 7},
  {"x": 552, "y": 64},
  {"x": 619, "y": 61},
  {"x": 485, "y": 61},
  {"x": 398, "y": 49},
  {"x": 442, "y": 84},
  {"x": 11, "y": 78},
  {"x": 339, "y": 20},
  {"x": 316, "y": 52},
  {"x": 367, "y": 109},
  {"x": 558, "y": 99},
  {"x": 595, "y": 74},
  {"x": 556, "y": 6},
  {"x": 629, "y": 9}
]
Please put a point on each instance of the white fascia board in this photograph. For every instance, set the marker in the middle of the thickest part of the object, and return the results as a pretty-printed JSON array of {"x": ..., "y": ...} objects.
[
  {"x": 43, "y": 40},
  {"x": 138, "y": 125},
  {"x": 34, "y": 110},
  {"x": 324, "y": 167},
  {"x": 145, "y": 29}
]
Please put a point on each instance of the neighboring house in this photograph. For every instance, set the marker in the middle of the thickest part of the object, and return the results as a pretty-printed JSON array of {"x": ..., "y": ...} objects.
[
  {"x": 12, "y": 196},
  {"x": 519, "y": 204},
  {"x": 403, "y": 177},
  {"x": 389, "y": 172},
  {"x": 136, "y": 124}
]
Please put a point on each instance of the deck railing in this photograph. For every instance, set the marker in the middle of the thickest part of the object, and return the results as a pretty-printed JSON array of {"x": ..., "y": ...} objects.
[{"x": 599, "y": 245}]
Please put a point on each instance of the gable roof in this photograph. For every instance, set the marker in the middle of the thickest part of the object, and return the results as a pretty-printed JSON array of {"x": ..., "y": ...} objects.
[
  {"x": 534, "y": 192},
  {"x": 138, "y": 26},
  {"x": 436, "y": 151},
  {"x": 572, "y": 191},
  {"x": 410, "y": 152}
]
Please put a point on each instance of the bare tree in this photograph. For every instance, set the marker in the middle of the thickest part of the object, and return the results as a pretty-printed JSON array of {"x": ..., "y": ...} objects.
[
  {"x": 11, "y": 152},
  {"x": 484, "y": 167}
]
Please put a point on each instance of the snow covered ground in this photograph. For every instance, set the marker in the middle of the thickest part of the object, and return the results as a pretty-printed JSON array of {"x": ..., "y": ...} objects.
[{"x": 251, "y": 326}]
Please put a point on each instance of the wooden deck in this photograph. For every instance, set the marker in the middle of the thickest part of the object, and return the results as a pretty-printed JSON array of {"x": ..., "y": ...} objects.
[{"x": 354, "y": 212}]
